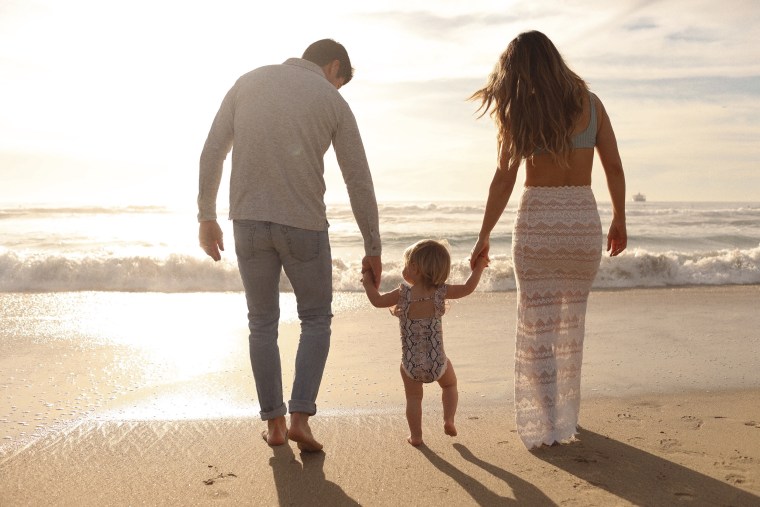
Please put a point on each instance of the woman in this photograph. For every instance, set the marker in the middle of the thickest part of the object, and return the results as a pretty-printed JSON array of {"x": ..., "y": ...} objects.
[{"x": 547, "y": 117}]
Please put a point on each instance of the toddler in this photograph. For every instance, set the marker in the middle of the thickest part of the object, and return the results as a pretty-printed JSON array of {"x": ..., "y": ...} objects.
[{"x": 419, "y": 307}]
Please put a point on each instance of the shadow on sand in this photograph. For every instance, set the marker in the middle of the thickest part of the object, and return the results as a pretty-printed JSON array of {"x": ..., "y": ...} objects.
[
  {"x": 638, "y": 476},
  {"x": 631, "y": 474},
  {"x": 525, "y": 493},
  {"x": 304, "y": 482}
]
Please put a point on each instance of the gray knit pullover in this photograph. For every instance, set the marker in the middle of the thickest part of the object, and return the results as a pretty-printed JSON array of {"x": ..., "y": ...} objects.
[{"x": 281, "y": 119}]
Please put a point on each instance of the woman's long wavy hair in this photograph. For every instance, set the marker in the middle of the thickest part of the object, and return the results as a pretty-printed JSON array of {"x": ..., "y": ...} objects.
[{"x": 534, "y": 98}]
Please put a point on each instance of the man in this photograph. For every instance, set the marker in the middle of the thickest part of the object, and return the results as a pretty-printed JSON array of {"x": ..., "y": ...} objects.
[{"x": 281, "y": 119}]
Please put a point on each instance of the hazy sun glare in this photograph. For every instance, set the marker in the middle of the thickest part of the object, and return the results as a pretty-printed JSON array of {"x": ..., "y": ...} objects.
[{"x": 111, "y": 103}]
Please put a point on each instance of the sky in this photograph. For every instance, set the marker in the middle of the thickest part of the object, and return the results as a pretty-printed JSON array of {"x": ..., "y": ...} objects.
[{"x": 110, "y": 103}]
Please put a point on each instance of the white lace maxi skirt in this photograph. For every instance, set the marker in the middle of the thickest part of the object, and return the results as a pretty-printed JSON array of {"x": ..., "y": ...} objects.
[{"x": 557, "y": 248}]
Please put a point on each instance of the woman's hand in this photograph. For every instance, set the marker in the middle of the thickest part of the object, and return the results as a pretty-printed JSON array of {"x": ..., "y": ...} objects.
[
  {"x": 617, "y": 238},
  {"x": 480, "y": 249}
]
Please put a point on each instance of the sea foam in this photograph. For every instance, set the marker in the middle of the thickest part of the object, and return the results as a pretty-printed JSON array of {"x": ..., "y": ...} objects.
[{"x": 187, "y": 273}]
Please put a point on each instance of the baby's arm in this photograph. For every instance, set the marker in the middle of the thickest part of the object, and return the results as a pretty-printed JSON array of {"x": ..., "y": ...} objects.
[
  {"x": 378, "y": 300},
  {"x": 460, "y": 291}
]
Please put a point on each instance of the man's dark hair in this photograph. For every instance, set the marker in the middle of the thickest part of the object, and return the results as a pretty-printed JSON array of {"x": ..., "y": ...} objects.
[{"x": 325, "y": 51}]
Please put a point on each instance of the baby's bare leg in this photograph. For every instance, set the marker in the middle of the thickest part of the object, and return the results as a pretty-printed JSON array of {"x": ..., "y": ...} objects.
[
  {"x": 413, "y": 391},
  {"x": 450, "y": 398}
]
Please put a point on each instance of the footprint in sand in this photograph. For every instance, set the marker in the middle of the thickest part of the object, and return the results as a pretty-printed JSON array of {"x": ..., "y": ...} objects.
[
  {"x": 735, "y": 468},
  {"x": 744, "y": 460},
  {"x": 736, "y": 479},
  {"x": 676, "y": 446},
  {"x": 626, "y": 416},
  {"x": 217, "y": 477},
  {"x": 670, "y": 444},
  {"x": 212, "y": 480},
  {"x": 692, "y": 422}
]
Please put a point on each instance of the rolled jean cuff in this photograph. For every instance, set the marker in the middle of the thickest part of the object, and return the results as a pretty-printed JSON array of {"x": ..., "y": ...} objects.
[
  {"x": 305, "y": 407},
  {"x": 274, "y": 414}
]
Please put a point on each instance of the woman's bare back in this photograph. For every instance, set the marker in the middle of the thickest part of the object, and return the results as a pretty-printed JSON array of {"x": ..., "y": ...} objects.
[{"x": 542, "y": 171}]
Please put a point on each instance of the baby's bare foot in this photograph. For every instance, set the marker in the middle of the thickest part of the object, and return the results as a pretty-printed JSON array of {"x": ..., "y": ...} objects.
[
  {"x": 415, "y": 441},
  {"x": 450, "y": 429}
]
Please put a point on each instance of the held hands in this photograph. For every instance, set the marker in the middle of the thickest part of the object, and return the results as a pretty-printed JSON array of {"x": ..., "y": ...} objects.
[
  {"x": 479, "y": 253},
  {"x": 368, "y": 280},
  {"x": 481, "y": 263},
  {"x": 210, "y": 238},
  {"x": 372, "y": 269},
  {"x": 617, "y": 238}
]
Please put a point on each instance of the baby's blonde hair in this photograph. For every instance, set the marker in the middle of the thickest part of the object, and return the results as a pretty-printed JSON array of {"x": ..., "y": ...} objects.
[{"x": 432, "y": 260}]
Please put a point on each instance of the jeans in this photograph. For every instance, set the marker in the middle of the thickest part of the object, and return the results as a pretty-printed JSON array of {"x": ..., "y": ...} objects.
[{"x": 263, "y": 249}]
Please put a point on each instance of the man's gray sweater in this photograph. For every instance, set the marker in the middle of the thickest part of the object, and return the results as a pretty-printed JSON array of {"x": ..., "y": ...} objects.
[{"x": 279, "y": 121}]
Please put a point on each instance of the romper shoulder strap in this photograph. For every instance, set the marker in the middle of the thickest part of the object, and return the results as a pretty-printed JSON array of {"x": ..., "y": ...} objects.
[{"x": 440, "y": 300}]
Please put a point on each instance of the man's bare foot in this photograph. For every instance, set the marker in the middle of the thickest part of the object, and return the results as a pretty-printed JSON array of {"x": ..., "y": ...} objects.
[
  {"x": 300, "y": 432},
  {"x": 415, "y": 441},
  {"x": 276, "y": 432},
  {"x": 450, "y": 429}
]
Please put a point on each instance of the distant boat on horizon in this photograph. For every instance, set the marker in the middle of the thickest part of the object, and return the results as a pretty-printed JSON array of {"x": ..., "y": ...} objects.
[{"x": 639, "y": 197}]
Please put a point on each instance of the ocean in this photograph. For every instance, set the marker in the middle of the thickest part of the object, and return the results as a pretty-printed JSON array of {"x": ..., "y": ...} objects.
[{"x": 154, "y": 248}]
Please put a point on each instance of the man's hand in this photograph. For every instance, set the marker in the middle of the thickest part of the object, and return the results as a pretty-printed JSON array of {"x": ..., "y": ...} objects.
[
  {"x": 210, "y": 238},
  {"x": 372, "y": 263}
]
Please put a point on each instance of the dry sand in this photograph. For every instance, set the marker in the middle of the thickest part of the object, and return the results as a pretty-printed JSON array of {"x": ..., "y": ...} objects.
[{"x": 670, "y": 416}]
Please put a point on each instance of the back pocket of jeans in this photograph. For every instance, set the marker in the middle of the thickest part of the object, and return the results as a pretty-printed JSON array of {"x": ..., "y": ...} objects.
[
  {"x": 303, "y": 244},
  {"x": 244, "y": 233}
]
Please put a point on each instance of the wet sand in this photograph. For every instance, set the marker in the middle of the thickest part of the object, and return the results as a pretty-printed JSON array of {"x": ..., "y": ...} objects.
[{"x": 670, "y": 411}]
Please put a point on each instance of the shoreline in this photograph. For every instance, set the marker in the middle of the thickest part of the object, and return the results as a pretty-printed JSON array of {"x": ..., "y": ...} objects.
[{"x": 360, "y": 291}]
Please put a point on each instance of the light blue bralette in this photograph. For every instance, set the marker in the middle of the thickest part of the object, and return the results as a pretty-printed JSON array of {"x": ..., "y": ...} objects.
[{"x": 587, "y": 138}]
